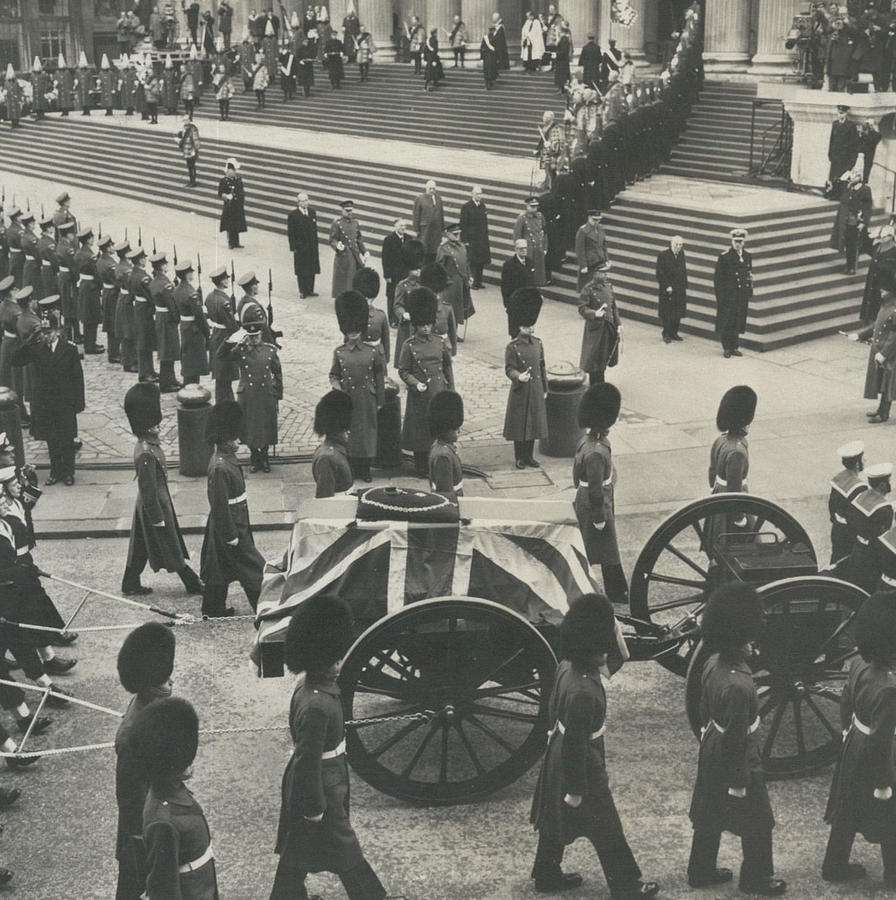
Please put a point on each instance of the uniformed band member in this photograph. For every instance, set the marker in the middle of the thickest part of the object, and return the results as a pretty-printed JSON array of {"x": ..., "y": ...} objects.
[
  {"x": 228, "y": 548},
  {"x": 526, "y": 419},
  {"x": 89, "y": 310},
  {"x": 194, "y": 331},
  {"x": 179, "y": 857},
  {"x": 425, "y": 367},
  {"x": 358, "y": 370},
  {"x": 870, "y": 515},
  {"x": 161, "y": 292},
  {"x": 125, "y": 328},
  {"x": 446, "y": 415},
  {"x": 733, "y": 283},
  {"x": 155, "y": 532},
  {"x": 65, "y": 269},
  {"x": 367, "y": 283},
  {"x": 572, "y": 797},
  {"x": 846, "y": 485},
  {"x": 412, "y": 254},
  {"x": 145, "y": 665},
  {"x": 222, "y": 322},
  {"x": 314, "y": 832},
  {"x": 144, "y": 322},
  {"x": 329, "y": 464},
  {"x": 730, "y": 792},
  {"x": 105, "y": 274},
  {"x": 861, "y": 798}
]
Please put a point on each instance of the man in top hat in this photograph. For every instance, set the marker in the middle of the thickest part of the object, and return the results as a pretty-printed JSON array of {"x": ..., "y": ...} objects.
[
  {"x": 90, "y": 312},
  {"x": 843, "y": 149},
  {"x": 358, "y": 370},
  {"x": 853, "y": 217},
  {"x": 452, "y": 256},
  {"x": 301, "y": 229},
  {"x": 530, "y": 226},
  {"x": 412, "y": 254},
  {"x": 446, "y": 415},
  {"x": 105, "y": 275},
  {"x": 429, "y": 220},
  {"x": 846, "y": 485},
  {"x": 155, "y": 532},
  {"x": 65, "y": 278},
  {"x": 46, "y": 252},
  {"x": 125, "y": 329},
  {"x": 228, "y": 548},
  {"x": 194, "y": 331},
  {"x": 672, "y": 278},
  {"x": 591, "y": 246},
  {"x": 869, "y": 515},
  {"x": 63, "y": 212},
  {"x": 516, "y": 272},
  {"x": 222, "y": 322},
  {"x": 329, "y": 464},
  {"x": 392, "y": 261},
  {"x": 161, "y": 292},
  {"x": 14, "y": 240},
  {"x": 474, "y": 234},
  {"x": 139, "y": 283},
  {"x": 733, "y": 283},
  {"x": 348, "y": 245}
]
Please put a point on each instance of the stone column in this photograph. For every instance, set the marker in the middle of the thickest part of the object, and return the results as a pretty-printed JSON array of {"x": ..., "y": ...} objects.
[
  {"x": 583, "y": 20},
  {"x": 775, "y": 17},
  {"x": 477, "y": 15},
  {"x": 727, "y": 35},
  {"x": 377, "y": 16},
  {"x": 631, "y": 40},
  {"x": 440, "y": 14}
]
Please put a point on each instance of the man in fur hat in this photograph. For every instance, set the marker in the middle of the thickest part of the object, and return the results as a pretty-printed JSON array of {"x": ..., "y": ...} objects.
[
  {"x": 733, "y": 283},
  {"x": 846, "y": 485},
  {"x": 446, "y": 415},
  {"x": 329, "y": 464},
  {"x": 222, "y": 321},
  {"x": 413, "y": 254},
  {"x": 228, "y": 548},
  {"x": 155, "y": 532},
  {"x": 367, "y": 283}
]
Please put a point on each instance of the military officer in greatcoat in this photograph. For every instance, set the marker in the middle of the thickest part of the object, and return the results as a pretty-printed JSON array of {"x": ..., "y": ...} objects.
[
  {"x": 228, "y": 548},
  {"x": 846, "y": 485},
  {"x": 144, "y": 324},
  {"x": 870, "y": 514},
  {"x": 161, "y": 292},
  {"x": 530, "y": 225},
  {"x": 733, "y": 282},
  {"x": 413, "y": 253},
  {"x": 90, "y": 312},
  {"x": 155, "y": 532},
  {"x": 452, "y": 256},
  {"x": 446, "y": 415},
  {"x": 14, "y": 240},
  {"x": 10, "y": 311},
  {"x": 222, "y": 322},
  {"x": 249, "y": 301},
  {"x": 358, "y": 370},
  {"x": 348, "y": 245},
  {"x": 329, "y": 464},
  {"x": 194, "y": 331},
  {"x": 30, "y": 259},
  {"x": 125, "y": 329},
  {"x": 105, "y": 274},
  {"x": 65, "y": 269},
  {"x": 591, "y": 246},
  {"x": 46, "y": 250}
]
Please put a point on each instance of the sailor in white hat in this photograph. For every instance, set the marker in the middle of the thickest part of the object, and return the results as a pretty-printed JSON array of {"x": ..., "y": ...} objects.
[{"x": 846, "y": 485}]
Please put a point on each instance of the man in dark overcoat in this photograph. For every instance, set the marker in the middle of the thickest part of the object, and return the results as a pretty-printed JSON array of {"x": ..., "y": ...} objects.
[
  {"x": 672, "y": 278},
  {"x": 65, "y": 265},
  {"x": 222, "y": 322},
  {"x": 474, "y": 233},
  {"x": 516, "y": 272},
  {"x": 301, "y": 229},
  {"x": 840, "y": 57},
  {"x": 144, "y": 322},
  {"x": 853, "y": 218},
  {"x": 348, "y": 246},
  {"x": 105, "y": 273},
  {"x": 429, "y": 220},
  {"x": 124, "y": 309},
  {"x": 394, "y": 268},
  {"x": 733, "y": 283},
  {"x": 843, "y": 148}
]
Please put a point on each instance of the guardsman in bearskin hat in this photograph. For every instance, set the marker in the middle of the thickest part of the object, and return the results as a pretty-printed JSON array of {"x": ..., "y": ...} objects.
[
  {"x": 315, "y": 834},
  {"x": 412, "y": 254},
  {"x": 594, "y": 476},
  {"x": 329, "y": 464},
  {"x": 31, "y": 262},
  {"x": 526, "y": 419},
  {"x": 367, "y": 283},
  {"x": 869, "y": 515},
  {"x": 861, "y": 798},
  {"x": 145, "y": 664},
  {"x": 65, "y": 275},
  {"x": 228, "y": 548},
  {"x": 222, "y": 321},
  {"x": 194, "y": 331},
  {"x": 572, "y": 798},
  {"x": 179, "y": 857},
  {"x": 90, "y": 312},
  {"x": 846, "y": 485},
  {"x": 358, "y": 370},
  {"x": 139, "y": 283},
  {"x": 46, "y": 251},
  {"x": 105, "y": 273},
  {"x": 124, "y": 309},
  {"x": 425, "y": 367},
  {"x": 730, "y": 792},
  {"x": 161, "y": 291},
  {"x": 434, "y": 277},
  {"x": 261, "y": 384},
  {"x": 155, "y": 533},
  {"x": 446, "y": 415}
]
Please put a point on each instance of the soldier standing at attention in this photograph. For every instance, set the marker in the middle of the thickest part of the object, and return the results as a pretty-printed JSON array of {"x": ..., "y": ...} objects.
[
  {"x": 446, "y": 415},
  {"x": 194, "y": 331},
  {"x": 10, "y": 311},
  {"x": 412, "y": 254},
  {"x": 348, "y": 244},
  {"x": 846, "y": 485},
  {"x": 65, "y": 269},
  {"x": 530, "y": 227},
  {"x": 105, "y": 273},
  {"x": 124, "y": 309},
  {"x": 222, "y": 322},
  {"x": 65, "y": 86},
  {"x": 144, "y": 326},
  {"x": 377, "y": 335},
  {"x": 228, "y": 548},
  {"x": 591, "y": 247},
  {"x": 46, "y": 250},
  {"x": 30, "y": 261},
  {"x": 161, "y": 292},
  {"x": 329, "y": 464},
  {"x": 249, "y": 301},
  {"x": 14, "y": 240},
  {"x": 155, "y": 532},
  {"x": 90, "y": 313},
  {"x": 63, "y": 213},
  {"x": 870, "y": 515},
  {"x": 733, "y": 283}
]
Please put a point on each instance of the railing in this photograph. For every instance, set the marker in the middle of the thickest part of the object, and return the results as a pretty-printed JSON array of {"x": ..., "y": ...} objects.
[
  {"x": 892, "y": 178},
  {"x": 770, "y": 154}
]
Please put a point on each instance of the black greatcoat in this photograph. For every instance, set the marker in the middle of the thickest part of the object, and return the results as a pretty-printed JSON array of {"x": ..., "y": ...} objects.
[
  {"x": 233, "y": 213},
  {"x": 672, "y": 271},
  {"x": 394, "y": 267},
  {"x": 515, "y": 274},
  {"x": 474, "y": 233},
  {"x": 301, "y": 229},
  {"x": 733, "y": 282},
  {"x": 843, "y": 148},
  {"x": 881, "y": 277},
  {"x": 502, "y": 57}
]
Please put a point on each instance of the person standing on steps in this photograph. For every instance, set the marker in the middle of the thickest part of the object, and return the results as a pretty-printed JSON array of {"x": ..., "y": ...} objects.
[
  {"x": 188, "y": 144},
  {"x": 853, "y": 220},
  {"x": 530, "y": 226},
  {"x": 429, "y": 220},
  {"x": 672, "y": 278},
  {"x": 233, "y": 211},
  {"x": 591, "y": 246},
  {"x": 301, "y": 230},
  {"x": 733, "y": 285},
  {"x": 457, "y": 38},
  {"x": 843, "y": 150},
  {"x": 474, "y": 234}
]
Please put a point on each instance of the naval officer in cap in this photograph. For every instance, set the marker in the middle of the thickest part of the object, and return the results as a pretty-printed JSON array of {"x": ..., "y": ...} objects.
[{"x": 733, "y": 283}]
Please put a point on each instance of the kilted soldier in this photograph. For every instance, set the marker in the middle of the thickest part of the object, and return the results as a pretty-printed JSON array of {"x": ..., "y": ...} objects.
[
  {"x": 30, "y": 260},
  {"x": 434, "y": 277},
  {"x": 861, "y": 798},
  {"x": 108, "y": 79},
  {"x": 594, "y": 476},
  {"x": 348, "y": 245},
  {"x": 155, "y": 532},
  {"x": 105, "y": 274},
  {"x": 161, "y": 292},
  {"x": 603, "y": 330},
  {"x": 572, "y": 797},
  {"x": 730, "y": 792},
  {"x": 15, "y": 97},
  {"x": 145, "y": 665},
  {"x": 228, "y": 548},
  {"x": 261, "y": 385},
  {"x": 65, "y": 279},
  {"x": 144, "y": 321},
  {"x": 84, "y": 85},
  {"x": 446, "y": 415},
  {"x": 358, "y": 370},
  {"x": 129, "y": 86},
  {"x": 222, "y": 322},
  {"x": 526, "y": 418},
  {"x": 329, "y": 464},
  {"x": 367, "y": 283},
  {"x": 14, "y": 240},
  {"x": 169, "y": 86},
  {"x": 90, "y": 311},
  {"x": 412, "y": 253},
  {"x": 10, "y": 311},
  {"x": 880, "y": 375},
  {"x": 46, "y": 250},
  {"x": 124, "y": 309},
  {"x": 194, "y": 331},
  {"x": 314, "y": 832},
  {"x": 65, "y": 86},
  {"x": 870, "y": 514},
  {"x": 425, "y": 367},
  {"x": 846, "y": 485},
  {"x": 733, "y": 284}
]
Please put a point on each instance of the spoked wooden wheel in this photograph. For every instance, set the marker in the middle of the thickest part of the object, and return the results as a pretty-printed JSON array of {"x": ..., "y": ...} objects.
[
  {"x": 803, "y": 658},
  {"x": 451, "y": 696},
  {"x": 675, "y": 570}
]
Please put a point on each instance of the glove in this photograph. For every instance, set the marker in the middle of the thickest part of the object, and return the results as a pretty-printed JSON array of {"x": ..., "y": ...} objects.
[
  {"x": 883, "y": 793},
  {"x": 737, "y": 793},
  {"x": 879, "y": 358},
  {"x": 421, "y": 387},
  {"x": 234, "y": 543},
  {"x": 573, "y": 800}
]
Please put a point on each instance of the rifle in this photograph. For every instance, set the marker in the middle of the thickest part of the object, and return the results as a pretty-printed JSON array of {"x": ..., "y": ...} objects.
[
  {"x": 154, "y": 251},
  {"x": 270, "y": 308},
  {"x": 232, "y": 285},
  {"x": 3, "y": 198},
  {"x": 198, "y": 269},
  {"x": 28, "y": 204},
  {"x": 175, "y": 254},
  {"x": 125, "y": 233},
  {"x": 139, "y": 235},
  {"x": 42, "y": 213}
]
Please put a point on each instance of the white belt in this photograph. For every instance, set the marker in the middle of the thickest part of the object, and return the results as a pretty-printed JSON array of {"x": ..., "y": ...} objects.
[
  {"x": 85, "y": 278},
  {"x": 139, "y": 299},
  {"x": 839, "y": 518},
  {"x": 217, "y": 325},
  {"x": 9, "y": 334},
  {"x": 338, "y": 750},
  {"x": 720, "y": 482},
  {"x": 714, "y": 724},
  {"x": 606, "y": 482},
  {"x": 560, "y": 728},
  {"x": 234, "y": 500},
  {"x": 862, "y": 540},
  {"x": 162, "y": 309},
  {"x": 63, "y": 269},
  {"x": 22, "y": 551},
  {"x": 15, "y": 250},
  {"x": 197, "y": 863},
  {"x": 886, "y": 579},
  {"x": 29, "y": 257},
  {"x": 375, "y": 343},
  {"x": 46, "y": 262},
  {"x": 124, "y": 293},
  {"x": 188, "y": 318}
]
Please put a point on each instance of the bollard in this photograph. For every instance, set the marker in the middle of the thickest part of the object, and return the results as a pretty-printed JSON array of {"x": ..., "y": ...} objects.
[
  {"x": 566, "y": 385},
  {"x": 192, "y": 416},
  {"x": 11, "y": 422},
  {"x": 388, "y": 429}
]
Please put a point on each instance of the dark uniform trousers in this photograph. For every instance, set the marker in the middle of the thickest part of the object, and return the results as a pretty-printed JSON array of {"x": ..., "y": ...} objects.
[
  {"x": 608, "y": 839},
  {"x": 360, "y": 883},
  {"x": 757, "y": 866},
  {"x": 840, "y": 841}
]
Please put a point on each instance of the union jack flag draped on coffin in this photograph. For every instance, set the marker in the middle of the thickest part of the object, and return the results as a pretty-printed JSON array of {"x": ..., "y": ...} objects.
[{"x": 525, "y": 555}]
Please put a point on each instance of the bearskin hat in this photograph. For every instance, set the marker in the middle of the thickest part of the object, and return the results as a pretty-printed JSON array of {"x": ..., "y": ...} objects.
[
  {"x": 143, "y": 407},
  {"x": 876, "y": 628},
  {"x": 367, "y": 282},
  {"x": 254, "y": 319},
  {"x": 434, "y": 276},
  {"x": 423, "y": 305},
  {"x": 333, "y": 413},
  {"x": 599, "y": 407},
  {"x": 413, "y": 253},
  {"x": 166, "y": 735},
  {"x": 525, "y": 305},
  {"x": 588, "y": 627},
  {"x": 319, "y": 634},
  {"x": 225, "y": 420},
  {"x": 352, "y": 312},
  {"x": 446, "y": 412},
  {"x": 733, "y": 616},
  {"x": 737, "y": 408},
  {"x": 146, "y": 657}
]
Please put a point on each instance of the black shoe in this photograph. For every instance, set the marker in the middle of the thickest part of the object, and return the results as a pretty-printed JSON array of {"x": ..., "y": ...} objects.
[
  {"x": 876, "y": 419},
  {"x": 69, "y": 480},
  {"x": 8, "y": 796},
  {"x": 521, "y": 464},
  {"x": 136, "y": 590},
  {"x": 736, "y": 353},
  {"x": 253, "y": 466},
  {"x": 40, "y": 726},
  {"x": 21, "y": 762},
  {"x": 77, "y": 444},
  {"x": 638, "y": 889},
  {"x": 5, "y": 876},
  {"x": 771, "y": 887},
  {"x": 872, "y": 413},
  {"x": 114, "y": 360},
  {"x": 193, "y": 586},
  {"x": 172, "y": 388},
  {"x": 265, "y": 464},
  {"x": 562, "y": 881},
  {"x": 64, "y": 638},
  {"x": 533, "y": 463},
  {"x": 58, "y": 701},
  {"x": 677, "y": 337},
  {"x": 667, "y": 339},
  {"x": 720, "y": 876},
  {"x": 95, "y": 350},
  {"x": 51, "y": 479},
  {"x": 59, "y": 666},
  {"x": 849, "y": 872}
]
